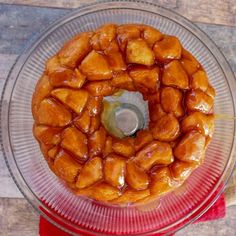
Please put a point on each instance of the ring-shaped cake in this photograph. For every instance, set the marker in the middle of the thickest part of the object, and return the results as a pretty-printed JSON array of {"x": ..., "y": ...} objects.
[{"x": 68, "y": 102}]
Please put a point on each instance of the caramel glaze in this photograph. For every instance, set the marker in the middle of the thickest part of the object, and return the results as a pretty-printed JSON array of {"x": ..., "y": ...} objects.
[{"x": 67, "y": 106}]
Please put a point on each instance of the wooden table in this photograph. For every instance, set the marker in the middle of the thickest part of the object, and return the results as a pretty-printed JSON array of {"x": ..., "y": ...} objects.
[{"x": 21, "y": 19}]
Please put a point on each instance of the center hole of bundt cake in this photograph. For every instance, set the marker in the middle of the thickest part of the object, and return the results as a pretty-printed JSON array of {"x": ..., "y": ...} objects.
[
  {"x": 125, "y": 114},
  {"x": 129, "y": 119}
]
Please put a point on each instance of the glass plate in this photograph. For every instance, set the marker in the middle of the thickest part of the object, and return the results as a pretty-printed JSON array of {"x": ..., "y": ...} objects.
[{"x": 46, "y": 192}]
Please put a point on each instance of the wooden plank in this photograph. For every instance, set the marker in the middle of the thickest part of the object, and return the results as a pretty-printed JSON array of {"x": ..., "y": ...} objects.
[
  {"x": 6, "y": 62},
  {"x": 17, "y": 217},
  {"x": 221, "y": 12},
  {"x": 213, "y": 11},
  {"x": 46, "y": 3},
  {"x": 230, "y": 191},
  {"x": 20, "y": 23},
  {"x": 8, "y": 187},
  {"x": 225, "y": 38},
  {"x": 76, "y": 3}
]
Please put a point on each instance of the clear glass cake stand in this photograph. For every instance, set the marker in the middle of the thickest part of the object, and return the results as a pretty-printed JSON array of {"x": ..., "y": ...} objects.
[{"x": 77, "y": 215}]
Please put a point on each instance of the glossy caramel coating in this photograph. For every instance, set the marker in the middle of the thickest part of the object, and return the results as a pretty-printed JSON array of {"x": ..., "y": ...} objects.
[
  {"x": 138, "y": 52},
  {"x": 75, "y": 100},
  {"x": 66, "y": 167},
  {"x": 123, "y": 81},
  {"x": 115, "y": 170},
  {"x": 166, "y": 128},
  {"x": 90, "y": 173},
  {"x": 191, "y": 147},
  {"x": 136, "y": 177},
  {"x": 168, "y": 48},
  {"x": 171, "y": 101},
  {"x": 96, "y": 142},
  {"x": 174, "y": 75},
  {"x": 75, "y": 142},
  {"x": 145, "y": 79},
  {"x": 68, "y": 102}
]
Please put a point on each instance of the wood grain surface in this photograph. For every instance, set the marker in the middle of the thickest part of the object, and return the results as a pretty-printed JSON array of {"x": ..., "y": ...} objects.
[
  {"x": 17, "y": 218},
  {"x": 20, "y": 20},
  {"x": 214, "y": 12}
]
